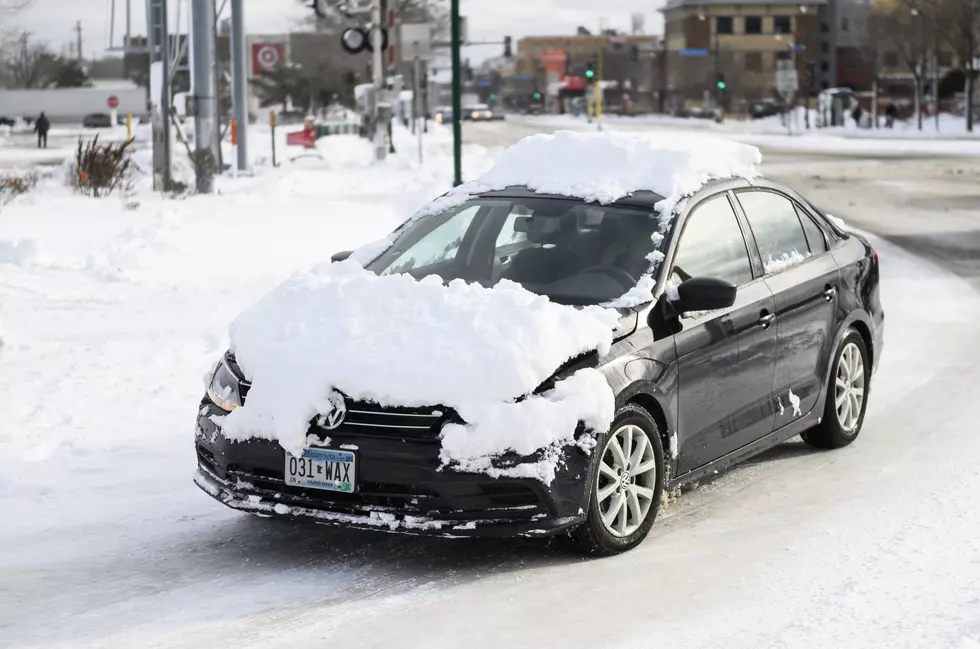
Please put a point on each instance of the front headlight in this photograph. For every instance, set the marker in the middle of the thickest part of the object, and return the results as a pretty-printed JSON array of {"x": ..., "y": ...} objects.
[
  {"x": 476, "y": 115},
  {"x": 225, "y": 388}
]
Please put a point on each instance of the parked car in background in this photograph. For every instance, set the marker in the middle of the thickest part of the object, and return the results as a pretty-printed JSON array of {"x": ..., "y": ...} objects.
[
  {"x": 97, "y": 120},
  {"x": 765, "y": 108},
  {"x": 442, "y": 114}
]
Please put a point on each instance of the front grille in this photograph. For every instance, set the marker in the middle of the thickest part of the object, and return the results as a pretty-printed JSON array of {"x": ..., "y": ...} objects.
[{"x": 370, "y": 419}]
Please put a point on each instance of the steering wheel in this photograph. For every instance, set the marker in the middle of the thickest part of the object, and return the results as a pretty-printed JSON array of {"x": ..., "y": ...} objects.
[{"x": 614, "y": 272}]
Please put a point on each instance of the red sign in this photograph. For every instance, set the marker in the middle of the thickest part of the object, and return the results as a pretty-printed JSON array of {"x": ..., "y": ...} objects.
[
  {"x": 266, "y": 57},
  {"x": 554, "y": 60},
  {"x": 112, "y": 101},
  {"x": 305, "y": 138}
]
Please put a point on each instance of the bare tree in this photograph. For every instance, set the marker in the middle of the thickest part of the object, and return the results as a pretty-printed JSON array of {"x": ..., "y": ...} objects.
[
  {"x": 904, "y": 29},
  {"x": 27, "y": 64},
  {"x": 12, "y": 6},
  {"x": 958, "y": 22}
]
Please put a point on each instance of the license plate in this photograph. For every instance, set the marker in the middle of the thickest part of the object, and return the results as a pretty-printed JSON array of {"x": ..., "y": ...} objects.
[{"x": 322, "y": 468}]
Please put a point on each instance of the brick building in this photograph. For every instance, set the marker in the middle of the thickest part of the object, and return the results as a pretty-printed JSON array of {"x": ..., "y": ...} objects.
[{"x": 742, "y": 42}]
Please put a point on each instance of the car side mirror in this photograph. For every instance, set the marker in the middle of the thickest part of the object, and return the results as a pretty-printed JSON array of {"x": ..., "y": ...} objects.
[
  {"x": 704, "y": 294},
  {"x": 340, "y": 256}
]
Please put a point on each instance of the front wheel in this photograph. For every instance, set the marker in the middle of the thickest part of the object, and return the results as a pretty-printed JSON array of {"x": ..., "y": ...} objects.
[
  {"x": 625, "y": 493},
  {"x": 847, "y": 395}
]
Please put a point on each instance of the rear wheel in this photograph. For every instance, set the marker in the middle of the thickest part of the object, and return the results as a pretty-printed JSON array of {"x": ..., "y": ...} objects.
[
  {"x": 627, "y": 487},
  {"x": 847, "y": 395}
]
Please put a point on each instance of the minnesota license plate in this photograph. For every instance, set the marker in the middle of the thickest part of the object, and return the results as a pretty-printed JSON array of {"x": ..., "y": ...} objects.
[{"x": 321, "y": 468}]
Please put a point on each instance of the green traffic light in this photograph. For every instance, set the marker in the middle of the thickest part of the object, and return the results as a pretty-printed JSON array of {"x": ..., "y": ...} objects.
[
  {"x": 722, "y": 85},
  {"x": 589, "y": 74},
  {"x": 537, "y": 95}
]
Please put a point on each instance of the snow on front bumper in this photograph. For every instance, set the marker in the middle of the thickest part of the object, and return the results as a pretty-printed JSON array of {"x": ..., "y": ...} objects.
[{"x": 246, "y": 498}]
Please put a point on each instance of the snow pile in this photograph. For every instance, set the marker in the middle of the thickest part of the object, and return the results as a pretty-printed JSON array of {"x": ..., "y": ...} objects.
[
  {"x": 553, "y": 416},
  {"x": 398, "y": 341},
  {"x": 783, "y": 261},
  {"x": 345, "y": 151},
  {"x": 605, "y": 167}
]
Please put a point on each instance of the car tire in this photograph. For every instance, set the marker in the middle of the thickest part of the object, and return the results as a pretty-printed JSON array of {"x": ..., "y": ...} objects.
[
  {"x": 637, "y": 492},
  {"x": 847, "y": 393}
]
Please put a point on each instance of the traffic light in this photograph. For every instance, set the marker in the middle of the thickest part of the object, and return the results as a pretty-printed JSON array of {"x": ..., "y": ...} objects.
[
  {"x": 537, "y": 95},
  {"x": 720, "y": 83},
  {"x": 635, "y": 54},
  {"x": 508, "y": 52},
  {"x": 589, "y": 71}
]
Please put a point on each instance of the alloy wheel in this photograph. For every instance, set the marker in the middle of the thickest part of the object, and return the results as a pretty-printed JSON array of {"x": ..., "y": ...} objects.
[
  {"x": 626, "y": 480},
  {"x": 849, "y": 387}
]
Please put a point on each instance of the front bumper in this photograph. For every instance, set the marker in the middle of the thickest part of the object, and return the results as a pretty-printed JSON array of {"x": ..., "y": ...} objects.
[{"x": 400, "y": 487}]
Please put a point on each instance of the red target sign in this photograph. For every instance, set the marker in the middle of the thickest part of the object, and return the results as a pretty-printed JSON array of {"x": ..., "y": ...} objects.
[{"x": 266, "y": 57}]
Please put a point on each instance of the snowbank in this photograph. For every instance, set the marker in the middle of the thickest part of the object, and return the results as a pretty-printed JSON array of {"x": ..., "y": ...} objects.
[
  {"x": 18, "y": 253},
  {"x": 397, "y": 341}
]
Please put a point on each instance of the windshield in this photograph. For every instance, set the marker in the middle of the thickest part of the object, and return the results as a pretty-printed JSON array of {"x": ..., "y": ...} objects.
[{"x": 570, "y": 251}]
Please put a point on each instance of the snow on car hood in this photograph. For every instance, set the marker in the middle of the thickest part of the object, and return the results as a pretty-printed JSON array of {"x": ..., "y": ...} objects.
[{"x": 403, "y": 342}]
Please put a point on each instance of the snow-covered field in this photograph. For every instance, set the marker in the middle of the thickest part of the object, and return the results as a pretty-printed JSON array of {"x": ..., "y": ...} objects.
[{"x": 111, "y": 310}]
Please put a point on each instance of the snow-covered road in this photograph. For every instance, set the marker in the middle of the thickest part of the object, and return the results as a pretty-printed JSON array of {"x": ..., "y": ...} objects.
[{"x": 109, "y": 324}]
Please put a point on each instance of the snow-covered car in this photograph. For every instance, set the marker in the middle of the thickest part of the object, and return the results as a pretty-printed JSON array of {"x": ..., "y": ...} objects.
[{"x": 549, "y": 348}]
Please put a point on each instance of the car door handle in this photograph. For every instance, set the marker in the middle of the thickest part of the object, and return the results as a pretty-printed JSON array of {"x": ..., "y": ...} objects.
[
  {"x": 766, "y": 319},
  {"x": 829, "y": 293}
]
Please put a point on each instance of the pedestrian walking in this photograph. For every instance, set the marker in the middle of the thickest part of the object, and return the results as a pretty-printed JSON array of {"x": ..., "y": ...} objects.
[
  {"x": 41, "y": 127},
  {"x": 891, "y": 112}
]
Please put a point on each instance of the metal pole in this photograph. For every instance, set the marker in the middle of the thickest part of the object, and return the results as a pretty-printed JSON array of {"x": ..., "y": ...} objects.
[
  {"x": 160, "y": 92},
  {"x": 129, "y": 24},
  {"x": 239, "y": 68},
  {"x": 600, "y": 93},
  {"x": 935, "y": 85},
  {"x": 202, "y": 67},
  {"x": 378, "y": 79},
  {"x": 457, "y": 108},
  {"x": 416, "y": 102}
]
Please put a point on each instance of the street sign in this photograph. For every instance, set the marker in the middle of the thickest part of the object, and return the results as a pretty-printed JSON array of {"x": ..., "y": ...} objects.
[
  {"x": 416, "y": 41},
  {"x": 688, "y": 51},
  {"x": 266, "y": 57},
  {"x": 112, "y": 101},
  {"x": 786, "y": 79}
]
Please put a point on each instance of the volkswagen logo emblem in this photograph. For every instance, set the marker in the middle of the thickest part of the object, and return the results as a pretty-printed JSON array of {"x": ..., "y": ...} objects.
[{"x": 334, "y": 417}]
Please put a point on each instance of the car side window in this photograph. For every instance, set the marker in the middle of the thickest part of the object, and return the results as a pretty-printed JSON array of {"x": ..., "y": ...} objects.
[
  {"x": 814, "y": 235},
  {"x": 712, "y": 245},
  {"x": 438, "y": 246},
  {"x": 777, "y": 229}
]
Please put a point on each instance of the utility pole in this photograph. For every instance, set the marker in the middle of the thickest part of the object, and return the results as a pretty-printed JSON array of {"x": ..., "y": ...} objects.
[
  {"x": 600, "y": 94},
  {"x": 239, "y": 72},
  {"x": 202, "y": 82},
  {"x": 78, "y": 40},
  {"x": 378, "y": 78},
  {"x": 158, "y": 41},
  {"x": 457, "y": 108}
]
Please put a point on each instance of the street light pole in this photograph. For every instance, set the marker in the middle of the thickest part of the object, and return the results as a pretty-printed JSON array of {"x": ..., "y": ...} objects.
[{"x": 457, "y": 108}]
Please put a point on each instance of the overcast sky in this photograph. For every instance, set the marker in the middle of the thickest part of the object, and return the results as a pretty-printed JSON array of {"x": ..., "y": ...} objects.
[{"x": 54, "y": 21}]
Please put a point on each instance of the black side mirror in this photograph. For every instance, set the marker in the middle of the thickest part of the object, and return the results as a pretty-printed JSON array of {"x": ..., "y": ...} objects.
[
  {"x": 704, "y": 294},
  {"x": 340, "y": 256}
]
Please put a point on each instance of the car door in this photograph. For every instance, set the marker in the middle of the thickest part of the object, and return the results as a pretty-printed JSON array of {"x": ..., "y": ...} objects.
[
  {"x": 725, "y": 357},
  {"x": 805, "y": 280}
]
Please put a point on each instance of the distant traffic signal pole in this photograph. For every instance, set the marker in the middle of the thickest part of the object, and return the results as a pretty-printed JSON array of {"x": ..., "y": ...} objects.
[
  {"x": 457, "y": 108},
  {"x": 599, "y": 94}
]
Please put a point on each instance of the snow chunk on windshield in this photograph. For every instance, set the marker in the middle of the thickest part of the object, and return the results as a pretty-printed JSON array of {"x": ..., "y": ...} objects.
[{"x": 400, "y": 342}]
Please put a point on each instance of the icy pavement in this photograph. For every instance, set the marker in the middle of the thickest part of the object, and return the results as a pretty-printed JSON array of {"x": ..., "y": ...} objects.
[{"x": 105, "y": 542}]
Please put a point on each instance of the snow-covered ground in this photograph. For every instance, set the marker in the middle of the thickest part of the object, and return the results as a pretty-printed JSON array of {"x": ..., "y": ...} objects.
[
  {"x": 773, "y": 133},
  {"x": 110, "y": 312}
]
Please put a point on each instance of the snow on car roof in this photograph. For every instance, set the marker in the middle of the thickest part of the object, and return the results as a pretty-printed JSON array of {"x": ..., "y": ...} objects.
[{"x": 605, "y": 167}]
